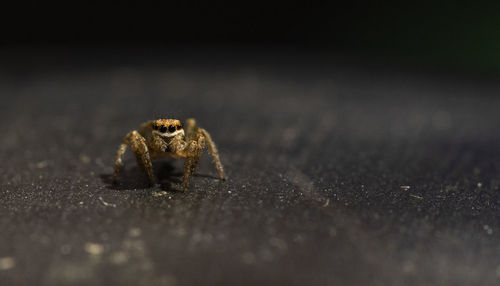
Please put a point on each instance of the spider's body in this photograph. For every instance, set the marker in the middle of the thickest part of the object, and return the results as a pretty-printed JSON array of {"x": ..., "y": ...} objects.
[{"x": 166, "y": 137}]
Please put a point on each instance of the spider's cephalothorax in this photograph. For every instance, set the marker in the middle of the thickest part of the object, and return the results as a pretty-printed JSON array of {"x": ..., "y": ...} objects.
[{"x": 167, "y": 137}]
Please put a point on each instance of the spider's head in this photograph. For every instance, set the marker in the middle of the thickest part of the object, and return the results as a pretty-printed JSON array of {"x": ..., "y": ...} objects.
[{"x": 167, "y": 129}]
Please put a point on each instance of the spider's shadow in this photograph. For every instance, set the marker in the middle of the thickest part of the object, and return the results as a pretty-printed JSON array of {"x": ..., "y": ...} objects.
[{"x": 134, "y": 178}]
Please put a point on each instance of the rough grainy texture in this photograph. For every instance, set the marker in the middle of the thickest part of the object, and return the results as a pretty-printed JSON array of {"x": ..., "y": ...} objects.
[{"x": 338, "y": 174}]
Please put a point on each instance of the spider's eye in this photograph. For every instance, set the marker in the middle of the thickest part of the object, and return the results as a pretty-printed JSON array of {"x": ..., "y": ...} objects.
[
  {"x": 163, "y": 129},
  {"x": 179, "y": 127},
  {"x": 171, "y": 128},
  {"x": 155, "y": 127}
]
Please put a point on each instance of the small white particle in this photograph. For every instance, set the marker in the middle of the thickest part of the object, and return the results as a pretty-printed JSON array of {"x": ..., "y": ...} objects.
[
  {"x": 7, "y": 263},
  {"x": 488, "y": 229},
  {"x": 42, "y": 164},
  {"x": 119, "y": 257},
  {"x": 84, "y": 159},
  {"x": 160, "y": 194},
  {"x": 106, "y": 203},
  {"x": 134, "y": 232},
  {"x": 326, "y": 203},
  {"x": 94, "y": 248}
]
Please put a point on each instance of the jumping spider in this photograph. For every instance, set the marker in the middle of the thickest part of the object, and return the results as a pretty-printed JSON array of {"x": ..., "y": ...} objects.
[{"x": 166, "y": 137}]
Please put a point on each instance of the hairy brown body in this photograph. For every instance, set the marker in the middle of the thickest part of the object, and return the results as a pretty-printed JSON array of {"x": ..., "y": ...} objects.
[{"x": 167, "y": 138}]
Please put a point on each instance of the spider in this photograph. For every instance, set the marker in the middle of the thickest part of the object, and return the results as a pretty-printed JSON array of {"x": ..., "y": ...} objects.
[{"x": 166, "y": 137}]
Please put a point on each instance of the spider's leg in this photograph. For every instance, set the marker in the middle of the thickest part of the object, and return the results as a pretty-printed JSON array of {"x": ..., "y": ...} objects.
[
  {"x": 215, "y": 154},
  {"x": 139, "y": 147},
  {"x": 118, "y": 160},
  {"x": 193, "y": 152},
  {"x": 193, "y": 130},
  {"x": 188, "y": 169}
]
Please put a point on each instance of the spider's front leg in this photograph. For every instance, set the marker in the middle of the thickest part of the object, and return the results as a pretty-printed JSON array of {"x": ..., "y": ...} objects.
[
  {"x": 139, "y": 147},
  {"x": 193, "y": 130},
  {"x": 193, "y": 151},
  {"x": 196, "y": 138}
]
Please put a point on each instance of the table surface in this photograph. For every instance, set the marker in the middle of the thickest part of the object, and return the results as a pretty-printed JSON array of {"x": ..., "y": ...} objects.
[{"x": 340, "y": 172}]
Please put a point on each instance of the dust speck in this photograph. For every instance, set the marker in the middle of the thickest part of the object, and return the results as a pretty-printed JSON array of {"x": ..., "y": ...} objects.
[
  {"x": 327, "y": 202},
  {"x": 7, "y": 263},
  {"x": 159, "y": 194},
  {"x": 119, "y": 257},
  {"x": 134, "y": 232},
  {"x": 84, "y": 159},
  {"x": 42, "y": 164},
  {"x": 94, "y": 248},
  {"x": 488, "y": 229},
  {"x": 106, "y": 203}
]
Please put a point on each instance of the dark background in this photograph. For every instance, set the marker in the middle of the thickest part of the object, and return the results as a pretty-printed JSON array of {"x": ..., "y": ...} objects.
[
  {"x": 447, "y": 34},
  {"x": 360, "y": 139}
]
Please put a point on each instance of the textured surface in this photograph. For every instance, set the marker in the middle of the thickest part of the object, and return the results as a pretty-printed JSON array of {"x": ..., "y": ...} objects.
[{"x": 339, "y": 174}]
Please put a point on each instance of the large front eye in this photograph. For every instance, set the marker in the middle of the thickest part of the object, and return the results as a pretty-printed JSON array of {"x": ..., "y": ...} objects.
[
  {"x": 171, "y": 128},
  {"x": 163, "y": 129}
]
